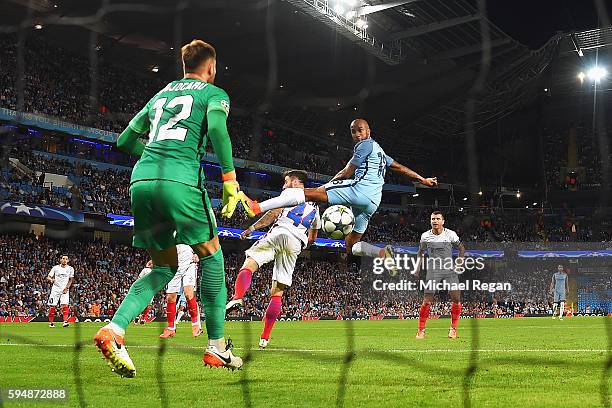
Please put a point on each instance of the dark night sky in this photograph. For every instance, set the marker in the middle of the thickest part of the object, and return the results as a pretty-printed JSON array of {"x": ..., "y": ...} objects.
[{"x": 533, "y": 22}]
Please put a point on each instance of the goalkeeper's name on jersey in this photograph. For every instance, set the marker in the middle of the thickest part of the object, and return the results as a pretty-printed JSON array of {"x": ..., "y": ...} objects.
[
  {"x": 184, "y": 86},
  {"x": 406, "y": 285}
]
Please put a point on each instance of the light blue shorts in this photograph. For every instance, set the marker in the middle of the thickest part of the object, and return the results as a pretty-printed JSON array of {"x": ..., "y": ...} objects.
[
  {"x": 346, "y": 192},
  {"x": 559, "y": 296}
]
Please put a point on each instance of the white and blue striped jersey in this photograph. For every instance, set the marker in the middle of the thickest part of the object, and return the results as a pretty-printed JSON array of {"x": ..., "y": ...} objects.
[{"x": 299, "y": 220}]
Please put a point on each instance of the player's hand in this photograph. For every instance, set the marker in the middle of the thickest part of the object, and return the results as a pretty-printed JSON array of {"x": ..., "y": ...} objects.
[
  {"x": 246, "y": 233},
  {"x": 195, "y": 258},
  {"x": 430, "y": 182},
  {"x": 230, "y": 194},
  {"x": 65, "y": 290}
]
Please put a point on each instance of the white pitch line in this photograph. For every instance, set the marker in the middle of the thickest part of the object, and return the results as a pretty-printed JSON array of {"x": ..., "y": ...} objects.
[{"x": 288, "y": 350}]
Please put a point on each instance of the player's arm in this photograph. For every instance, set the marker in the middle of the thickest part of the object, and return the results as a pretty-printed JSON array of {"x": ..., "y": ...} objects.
[
  {"x": 312, "y": 236},
  {"x": 552, "y": 283},
  {"x": 67, "y": 288},
  {"x": 420, "y": 259},
  {"x": 346, "y": 173},
  {"x": 458, "y": 244},
  {"x": 220, "y": 139},
  {"x": 461, "y": 250},
  {"x": 313, "y": 232},
  {"x": 401, "y": 169},
  {"x": 129, "y": 140},
  {"x": 216, "y": 115},
  {"x": 267, "y": 219},
  {"x": 51, "y": 277},
  {"x": 360, "y": 154},
  {"x": 460, "y": 261}
]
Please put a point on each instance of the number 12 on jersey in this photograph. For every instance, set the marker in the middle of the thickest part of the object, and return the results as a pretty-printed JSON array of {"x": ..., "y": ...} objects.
[{"x": 165, "y": 123}]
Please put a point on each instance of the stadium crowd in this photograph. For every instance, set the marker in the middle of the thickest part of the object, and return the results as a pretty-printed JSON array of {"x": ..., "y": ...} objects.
[
  {"x": 58, "y": 89},
  {"x": 573, "y": 159},
  {"x": 322, "y": 288},
  {"x": 106, "y": 190},
  {"x": 105, "y": 271},
  {"x": 52, "y": 89}
]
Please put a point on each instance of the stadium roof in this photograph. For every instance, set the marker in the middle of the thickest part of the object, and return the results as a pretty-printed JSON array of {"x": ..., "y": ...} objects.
[{"x": 276, "y": 58}]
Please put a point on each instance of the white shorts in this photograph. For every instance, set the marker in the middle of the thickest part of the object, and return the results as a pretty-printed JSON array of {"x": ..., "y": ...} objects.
[
  {"x": 58, "y": 297},
  {"x": 282, "y": 247},
  {"x": 183, "y": 277}
]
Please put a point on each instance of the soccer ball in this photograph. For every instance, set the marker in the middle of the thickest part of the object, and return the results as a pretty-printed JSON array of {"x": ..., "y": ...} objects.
[{"x": 337, "y": 221}]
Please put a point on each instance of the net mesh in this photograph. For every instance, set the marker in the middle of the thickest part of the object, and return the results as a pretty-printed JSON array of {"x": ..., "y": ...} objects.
[{"x": 175, "y": 12}]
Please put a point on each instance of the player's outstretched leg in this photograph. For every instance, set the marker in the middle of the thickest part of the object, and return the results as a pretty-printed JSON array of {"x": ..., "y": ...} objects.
[
  {"x": 555, "y": 306},
  {"x": 289, "y": 197},
  {"x": 272, "y": 312},
  {"x": 213, "y": 295},
  {"x": 372, "y": 251},
  {"x": 109, "y": 339}
]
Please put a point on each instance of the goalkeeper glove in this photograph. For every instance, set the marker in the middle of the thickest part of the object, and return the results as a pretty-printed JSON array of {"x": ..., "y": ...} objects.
[{"x": 230, "y": 194}]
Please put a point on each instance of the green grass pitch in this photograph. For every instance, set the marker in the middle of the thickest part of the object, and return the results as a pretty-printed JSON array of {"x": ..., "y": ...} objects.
[{"x": 530, "y": 362}]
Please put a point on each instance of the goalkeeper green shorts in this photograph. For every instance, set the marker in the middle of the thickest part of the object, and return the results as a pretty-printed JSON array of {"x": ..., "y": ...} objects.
[{"x": 167, "y": 213}]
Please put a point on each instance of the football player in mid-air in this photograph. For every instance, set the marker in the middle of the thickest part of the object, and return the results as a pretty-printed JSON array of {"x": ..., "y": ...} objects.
[
  {"x": 170, "y": 203},
  {"x": 358, "y": 185},
  {"x": 559, "y": 286},
  {"x": 294, "y": 228}
]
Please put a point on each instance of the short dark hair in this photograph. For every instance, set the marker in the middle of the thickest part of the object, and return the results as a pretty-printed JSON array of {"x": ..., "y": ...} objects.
[
  {"x": 64, "y": 255},
  {"x": 298, "y": 174},
  {"x": 195, "y": 53},
  {"x": 438, "y": 212}
]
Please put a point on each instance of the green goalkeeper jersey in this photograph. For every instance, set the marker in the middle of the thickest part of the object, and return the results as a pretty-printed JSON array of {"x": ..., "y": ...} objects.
[{"x": 177, "y": 119}]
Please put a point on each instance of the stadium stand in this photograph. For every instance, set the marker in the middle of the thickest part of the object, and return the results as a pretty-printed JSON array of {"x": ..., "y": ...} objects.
[
  {"x": 49, "y": 91},
  {"x": 323, "y": 288},
  {"x": 98, "y": 179}
]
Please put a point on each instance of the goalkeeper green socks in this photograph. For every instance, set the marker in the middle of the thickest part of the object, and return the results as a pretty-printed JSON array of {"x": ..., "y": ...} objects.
[
  {"x": 213, "y": 293},
  {"x": 140, "y": 295}
]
